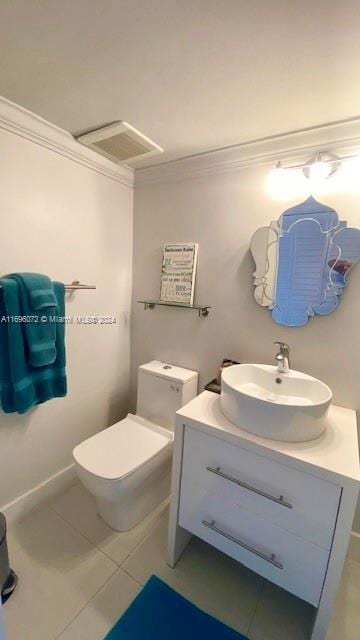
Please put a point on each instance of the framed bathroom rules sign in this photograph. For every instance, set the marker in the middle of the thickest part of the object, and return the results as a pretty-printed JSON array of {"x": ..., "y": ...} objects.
[{"x": 178, "y": 272}]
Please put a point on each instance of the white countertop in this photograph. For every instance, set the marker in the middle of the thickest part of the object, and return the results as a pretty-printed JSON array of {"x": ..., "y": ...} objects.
[{"x": 336, "y": 451}]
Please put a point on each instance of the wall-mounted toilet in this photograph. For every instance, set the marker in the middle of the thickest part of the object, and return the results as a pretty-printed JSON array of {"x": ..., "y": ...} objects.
[{"x": 127, "y": 466}]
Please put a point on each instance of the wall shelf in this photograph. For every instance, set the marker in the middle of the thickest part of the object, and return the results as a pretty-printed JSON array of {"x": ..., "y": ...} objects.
[{"x": 203, "y": 310}]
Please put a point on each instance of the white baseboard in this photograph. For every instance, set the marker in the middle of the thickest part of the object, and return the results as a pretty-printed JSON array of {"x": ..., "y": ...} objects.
[{"x": 19, "y": 507}]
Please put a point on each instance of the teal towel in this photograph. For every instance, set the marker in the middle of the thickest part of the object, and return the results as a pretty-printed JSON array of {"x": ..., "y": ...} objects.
[
  {"x": 40, "y": 289},
  {"x": 21, "y": 384},
  {"x": 38, "y": 301}
]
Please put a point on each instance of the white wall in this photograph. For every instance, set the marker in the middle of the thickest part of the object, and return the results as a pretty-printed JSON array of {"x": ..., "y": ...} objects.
[
  {"x": 70, "y": 222},
  {"x": 221, "y": 211}
]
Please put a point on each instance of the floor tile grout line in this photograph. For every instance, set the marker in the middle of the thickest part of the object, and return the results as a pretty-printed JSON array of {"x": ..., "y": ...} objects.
[
  {"x": 118, "y": 566},
  {"x": 71, "y": 524},
  {"x": 138, "y": 544},
  {"x": 141, "y": 584},
  {"x": 86, "y": 603},
  {"x": 151, "y": 529},
  {"x": 257, "y": 604},
  {"x": 115, "y": 569},
  {"x": 96, "y": 546},
  {"x": 352, "y": 561},
  {"x": 47, "y": 505},
  {"x": 149, "y": 532}
]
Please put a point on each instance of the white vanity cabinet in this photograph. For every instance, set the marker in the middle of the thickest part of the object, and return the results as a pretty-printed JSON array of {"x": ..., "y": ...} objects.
[{"x": 284, "y": 510}]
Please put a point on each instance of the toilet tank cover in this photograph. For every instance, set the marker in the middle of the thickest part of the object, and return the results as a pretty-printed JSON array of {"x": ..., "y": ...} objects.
[{"x": 169, "y": 371}]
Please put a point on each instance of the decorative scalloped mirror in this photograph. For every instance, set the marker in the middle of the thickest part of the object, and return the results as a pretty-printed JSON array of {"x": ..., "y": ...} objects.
[{"x": 303, "y": 262}]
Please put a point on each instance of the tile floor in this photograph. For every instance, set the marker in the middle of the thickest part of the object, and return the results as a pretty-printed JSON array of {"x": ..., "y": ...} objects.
[{"x": 77, "y": 576}]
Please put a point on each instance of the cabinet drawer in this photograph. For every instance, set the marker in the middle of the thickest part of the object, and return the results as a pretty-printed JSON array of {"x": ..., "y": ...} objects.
[
  {"x": 296, "y": 501},
  {"x": 276, "y": 554}
]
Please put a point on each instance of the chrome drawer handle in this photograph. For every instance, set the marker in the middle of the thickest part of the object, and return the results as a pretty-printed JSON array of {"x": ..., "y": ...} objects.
[
  {"x": 279, "y": 500},
  {"x": 271, "y": 559}
]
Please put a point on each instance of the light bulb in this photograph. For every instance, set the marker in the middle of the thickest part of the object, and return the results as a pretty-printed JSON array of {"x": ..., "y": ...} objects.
[
  {"x": 277, "y": 177},
  {"x": 285, "y": 182},
  {"x": 319, "y": 170},
  {"x": 352, "y": 167}
]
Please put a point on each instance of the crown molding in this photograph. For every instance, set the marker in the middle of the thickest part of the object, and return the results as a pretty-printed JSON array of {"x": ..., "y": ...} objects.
[
  {"x": 341, "y": 137},
  {"x": 28, "y": 125}
]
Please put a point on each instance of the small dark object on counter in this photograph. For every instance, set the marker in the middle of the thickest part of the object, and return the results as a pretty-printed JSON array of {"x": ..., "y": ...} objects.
[
  {"x": 227, "y": 362},
  {"x": 9, "y": 586},
  {"x": 8, "y": 578},
  {"x": 213, "y": 386}
]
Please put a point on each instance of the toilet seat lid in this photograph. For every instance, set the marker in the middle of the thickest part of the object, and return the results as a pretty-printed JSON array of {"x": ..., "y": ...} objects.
[{"x": 119, "y": 450}]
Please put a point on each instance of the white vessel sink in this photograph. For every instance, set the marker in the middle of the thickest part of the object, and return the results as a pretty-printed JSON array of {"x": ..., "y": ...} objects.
[{"x": 281, "y": 406}]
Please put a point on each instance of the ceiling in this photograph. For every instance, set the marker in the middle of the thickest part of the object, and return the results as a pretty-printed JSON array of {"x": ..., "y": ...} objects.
[{"x": 193, "y": 75}]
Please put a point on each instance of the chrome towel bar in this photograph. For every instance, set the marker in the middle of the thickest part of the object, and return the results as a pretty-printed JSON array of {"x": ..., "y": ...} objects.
[{"x": 76, "y": 285}]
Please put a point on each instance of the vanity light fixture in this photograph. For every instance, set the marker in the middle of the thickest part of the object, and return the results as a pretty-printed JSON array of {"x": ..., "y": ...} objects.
[{"x": 320, "y": 167}]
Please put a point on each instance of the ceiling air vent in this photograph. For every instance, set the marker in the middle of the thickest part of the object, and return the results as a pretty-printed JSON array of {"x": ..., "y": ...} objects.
[{"x": 120, "y": 142}]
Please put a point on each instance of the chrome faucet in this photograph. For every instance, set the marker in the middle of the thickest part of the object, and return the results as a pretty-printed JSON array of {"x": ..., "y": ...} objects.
[{"x": 283, "y": 357}]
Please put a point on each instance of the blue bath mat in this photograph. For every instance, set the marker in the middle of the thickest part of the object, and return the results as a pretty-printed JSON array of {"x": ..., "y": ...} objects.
[{"x": 159, "y": 613}]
